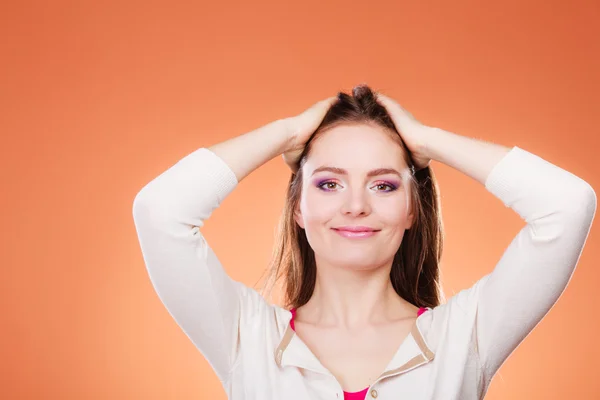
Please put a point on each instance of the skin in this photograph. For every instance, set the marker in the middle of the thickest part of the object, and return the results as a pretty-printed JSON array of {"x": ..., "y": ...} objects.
[{"x": 354, "y": 321}]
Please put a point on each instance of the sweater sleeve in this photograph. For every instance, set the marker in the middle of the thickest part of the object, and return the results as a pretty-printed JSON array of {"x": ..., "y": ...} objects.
[
  {"x": 187, "y": 276},
  {"x": 558, "y": 208}
]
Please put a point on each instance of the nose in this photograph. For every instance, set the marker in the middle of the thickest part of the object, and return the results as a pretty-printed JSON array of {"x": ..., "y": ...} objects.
[{"x": 356, "y": 203}]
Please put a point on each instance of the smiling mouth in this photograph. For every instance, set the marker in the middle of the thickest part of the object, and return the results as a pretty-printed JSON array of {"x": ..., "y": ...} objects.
[{"x": 355, "y": 234}]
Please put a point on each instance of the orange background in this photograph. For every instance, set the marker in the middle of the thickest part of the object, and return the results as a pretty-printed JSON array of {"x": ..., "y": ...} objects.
[{"x": 97, "y": 99}]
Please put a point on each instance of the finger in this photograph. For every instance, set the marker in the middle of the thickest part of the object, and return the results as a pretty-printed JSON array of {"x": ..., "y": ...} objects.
[
  {"x": 320, "y": 105},
  {"x": 326, "y": 103},
  {"x": 394, "y": 108},
  {"x": 386, "y": 101},
  {"x": 391, "y": 107},
  {"x": 382, "y": 97},
  {"x": 319, "y": 109}
]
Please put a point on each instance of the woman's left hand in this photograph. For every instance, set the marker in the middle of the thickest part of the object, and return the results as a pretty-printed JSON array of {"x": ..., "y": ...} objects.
[{"x": 413, "y": 133}]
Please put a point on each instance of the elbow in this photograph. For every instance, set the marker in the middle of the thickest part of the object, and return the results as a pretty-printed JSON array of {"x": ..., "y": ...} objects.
[
  {"x": 139, "y": 202},
  {"x": 139, "y": 208},
  {"x": 583, "y": 203},
  {"x": 588, "y": 200},
  {"x": 145, "y": 207}
]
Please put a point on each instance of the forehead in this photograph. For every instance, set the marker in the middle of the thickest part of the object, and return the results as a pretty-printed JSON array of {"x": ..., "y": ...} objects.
[{"x": 357, "y": 147}]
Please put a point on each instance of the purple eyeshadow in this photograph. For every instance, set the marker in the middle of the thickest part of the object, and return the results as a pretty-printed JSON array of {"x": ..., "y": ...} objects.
[{"x": 392, "y": 185}]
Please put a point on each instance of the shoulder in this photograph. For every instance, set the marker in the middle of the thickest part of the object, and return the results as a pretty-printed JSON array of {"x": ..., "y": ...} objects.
[
  {"x": 452, "y": 321},
  {"x": 259, "y": 315}
]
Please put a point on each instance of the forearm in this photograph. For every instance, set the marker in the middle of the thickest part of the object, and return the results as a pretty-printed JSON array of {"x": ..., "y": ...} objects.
[
  {"x": 472, "y": 157},
  {"x": 245, "y": 153},
  {"x": 534, "y": 270}
]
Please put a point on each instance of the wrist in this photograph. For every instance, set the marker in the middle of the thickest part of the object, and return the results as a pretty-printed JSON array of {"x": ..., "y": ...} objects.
[
  {"x": 432, "y": 139},
  {"x": 428, "y": 138},
  {"x": 289, "y": 142}
]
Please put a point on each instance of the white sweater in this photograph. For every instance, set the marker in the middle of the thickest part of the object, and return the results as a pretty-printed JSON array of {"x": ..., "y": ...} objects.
[{"x": 454, "y": 349}]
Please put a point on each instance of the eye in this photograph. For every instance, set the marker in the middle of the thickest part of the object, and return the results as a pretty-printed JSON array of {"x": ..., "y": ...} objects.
[
  {"x": 329, "y": 188},
  {"x": 389, "y": 185}
]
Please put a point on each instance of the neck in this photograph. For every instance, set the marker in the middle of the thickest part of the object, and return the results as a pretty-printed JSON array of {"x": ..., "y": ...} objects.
[{"x": 351, "y": 298}]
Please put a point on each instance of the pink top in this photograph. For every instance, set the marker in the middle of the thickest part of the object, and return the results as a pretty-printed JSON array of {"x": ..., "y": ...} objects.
[{"x": 350, "y": 395}]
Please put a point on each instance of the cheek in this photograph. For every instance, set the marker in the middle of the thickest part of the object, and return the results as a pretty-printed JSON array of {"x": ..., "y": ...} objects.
[
  {"x": 394, "y": 212},
  {"x": 317, "y": 208}
]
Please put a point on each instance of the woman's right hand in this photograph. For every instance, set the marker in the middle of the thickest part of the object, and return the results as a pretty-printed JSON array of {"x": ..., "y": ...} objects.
[{"x": 301, "y": 127}]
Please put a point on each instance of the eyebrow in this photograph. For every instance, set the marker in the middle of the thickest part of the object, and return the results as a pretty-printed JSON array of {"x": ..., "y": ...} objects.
[{"x": 341, "y": 171}]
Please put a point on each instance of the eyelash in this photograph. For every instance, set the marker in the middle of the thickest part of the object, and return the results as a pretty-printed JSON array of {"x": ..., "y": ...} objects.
[{"x": 392, "y": 187}]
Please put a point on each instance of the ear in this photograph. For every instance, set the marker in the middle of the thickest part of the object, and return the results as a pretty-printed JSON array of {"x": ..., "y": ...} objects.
[{"x": 298, "y": 217}]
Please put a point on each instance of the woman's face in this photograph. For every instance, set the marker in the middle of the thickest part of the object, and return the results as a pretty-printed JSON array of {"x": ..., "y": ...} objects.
[{"x": 352, "y": 197}]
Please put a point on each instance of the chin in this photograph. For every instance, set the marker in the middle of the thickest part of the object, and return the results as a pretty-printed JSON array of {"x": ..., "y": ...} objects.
[{"x": 356, "y": 263}]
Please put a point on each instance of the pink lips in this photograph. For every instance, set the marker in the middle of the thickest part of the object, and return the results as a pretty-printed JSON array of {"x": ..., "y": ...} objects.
[{"x": 355, "y": 231}]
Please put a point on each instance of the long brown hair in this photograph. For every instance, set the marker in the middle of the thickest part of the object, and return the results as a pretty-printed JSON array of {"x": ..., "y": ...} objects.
[{"x": 415, "y": 274}]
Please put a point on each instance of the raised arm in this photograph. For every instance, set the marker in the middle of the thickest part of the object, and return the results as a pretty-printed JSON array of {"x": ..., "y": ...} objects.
[
  {"x": 558, "y": 208},
  {"x": 170, "y": 210},
  {"x": 187, "y": 276}
]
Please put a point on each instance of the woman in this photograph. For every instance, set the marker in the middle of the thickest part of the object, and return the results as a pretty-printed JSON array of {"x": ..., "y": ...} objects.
[{"x": 359, "y": 249}]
